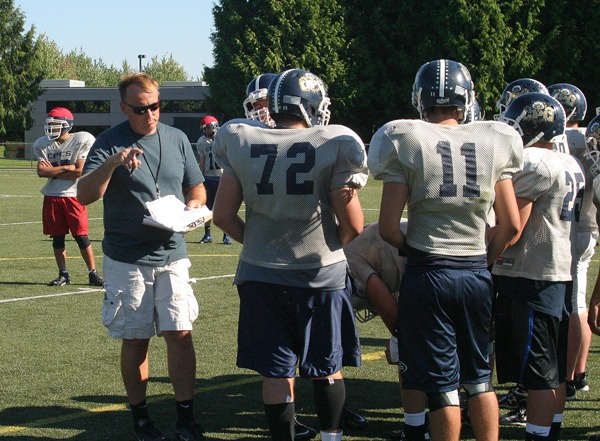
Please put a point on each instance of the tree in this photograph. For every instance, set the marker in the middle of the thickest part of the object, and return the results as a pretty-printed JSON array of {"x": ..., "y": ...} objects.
[
  {"x": 165, "y": 69},
  {"x": 568, "y": 44},
  {"x": 75, "y": 65},
  {"x": 260, "y": 36},
  {"x": 19, "y": 74}
]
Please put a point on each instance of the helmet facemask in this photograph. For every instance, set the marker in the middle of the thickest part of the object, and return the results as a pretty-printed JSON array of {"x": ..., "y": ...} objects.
[
  {"x": 54, "y": 127},
  {"x": 592, "y": 134}
]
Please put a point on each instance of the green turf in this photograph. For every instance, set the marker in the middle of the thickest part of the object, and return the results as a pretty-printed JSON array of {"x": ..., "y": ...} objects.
[{"x": 59, "y": 372}]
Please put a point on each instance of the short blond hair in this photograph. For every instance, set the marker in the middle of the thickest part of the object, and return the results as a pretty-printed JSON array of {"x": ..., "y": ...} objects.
[{"x": 144, "y": 81}]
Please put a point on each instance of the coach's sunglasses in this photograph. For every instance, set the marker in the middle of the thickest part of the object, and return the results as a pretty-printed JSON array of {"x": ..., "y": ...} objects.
[{"x": 141, "y": 110}]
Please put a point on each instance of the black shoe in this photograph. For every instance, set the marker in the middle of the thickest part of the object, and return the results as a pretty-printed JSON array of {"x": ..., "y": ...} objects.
[
  {"x": 193, "y": 432},
  {"x": 95, "y": 279},
  {"x": 516, "y": 417},
  {"x": 353, "y": 420},
  {"x": 303, "y": 431},
  {"x": 581, "y": 382},
  {"x": 399, "y": 435},
  {"x": 62, "y": 279},
  {"x": 512, "y": 398},
  {"x": 145, "y": 431},
  {"x": 571, "y": 391}
]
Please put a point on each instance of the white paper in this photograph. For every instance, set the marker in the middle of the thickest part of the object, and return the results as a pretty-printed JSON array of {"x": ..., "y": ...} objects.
[{"x": 169, "y": 213}]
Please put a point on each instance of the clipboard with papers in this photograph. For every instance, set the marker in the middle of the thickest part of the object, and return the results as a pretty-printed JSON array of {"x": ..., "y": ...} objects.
[{"x": 169, "y": 213}]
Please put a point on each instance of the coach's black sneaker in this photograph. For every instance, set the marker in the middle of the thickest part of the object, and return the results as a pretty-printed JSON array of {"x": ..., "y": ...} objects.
[
  {"x": 303, "y": 431},
  {"x": 95, "y": 278},
  {"x": 191, "y": 432},
  {"x": 354, "y": 420},
  {"x": 62, "y": 279},
  {"x": 145, "y": 431},
  {"x": 581, "y": 381}
]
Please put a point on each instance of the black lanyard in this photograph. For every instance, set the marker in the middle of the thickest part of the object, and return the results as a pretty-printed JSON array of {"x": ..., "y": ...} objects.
[{"x": 155, "y": 178}]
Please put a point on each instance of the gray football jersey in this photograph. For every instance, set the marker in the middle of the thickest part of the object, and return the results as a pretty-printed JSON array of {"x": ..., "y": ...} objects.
[
  {"x": 69, "y": 152},
  {"x": 286, "y": 176},
  {"x": 451, "y": 172},
  {"x": 543, "y": 252},
  {"x": 204, "y": 152},
  {"x": 587, "y": 218}
]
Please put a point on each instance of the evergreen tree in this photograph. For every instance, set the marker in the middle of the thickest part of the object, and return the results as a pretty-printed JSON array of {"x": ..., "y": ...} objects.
[{"x": 19, "y": 74}]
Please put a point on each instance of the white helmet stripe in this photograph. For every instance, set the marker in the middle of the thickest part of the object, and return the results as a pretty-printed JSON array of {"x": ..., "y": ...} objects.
[{"x": 442, "y": 78}]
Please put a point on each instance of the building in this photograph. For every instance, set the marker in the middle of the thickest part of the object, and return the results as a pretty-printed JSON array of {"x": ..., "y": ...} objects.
[{"x": 97, "y": 108}]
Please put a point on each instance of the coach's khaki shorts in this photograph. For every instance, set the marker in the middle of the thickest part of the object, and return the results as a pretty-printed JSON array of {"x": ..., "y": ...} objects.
[{"x": 143, "y": 301}]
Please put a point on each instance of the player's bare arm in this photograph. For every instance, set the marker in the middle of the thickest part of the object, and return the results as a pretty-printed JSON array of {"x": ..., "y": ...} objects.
[
  {"x": 227, "y": 204},
  {"x": 348, "y": 210},
  {"x": 393, "y": 200},
  {"x": 508, "y": 220}
]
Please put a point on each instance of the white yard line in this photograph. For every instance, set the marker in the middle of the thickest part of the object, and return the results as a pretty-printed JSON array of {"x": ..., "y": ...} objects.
[{"x": 90, "y": 290}]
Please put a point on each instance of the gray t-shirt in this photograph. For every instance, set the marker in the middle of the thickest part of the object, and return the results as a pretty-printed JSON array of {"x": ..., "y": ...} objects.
[{"x": 168, "y": 167}]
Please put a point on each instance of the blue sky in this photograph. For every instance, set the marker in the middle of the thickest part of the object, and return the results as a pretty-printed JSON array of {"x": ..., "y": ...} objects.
[{"x": 117, "y": 30}]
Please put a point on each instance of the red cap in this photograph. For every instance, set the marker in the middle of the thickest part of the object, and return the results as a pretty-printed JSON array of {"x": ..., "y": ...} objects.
[
  {"x": 207, "y": 120},
  {"x": 61, "y": 112}
]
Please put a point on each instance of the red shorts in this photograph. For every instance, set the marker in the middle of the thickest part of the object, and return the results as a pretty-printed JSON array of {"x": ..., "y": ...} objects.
[{"x": 63, "y": 214}]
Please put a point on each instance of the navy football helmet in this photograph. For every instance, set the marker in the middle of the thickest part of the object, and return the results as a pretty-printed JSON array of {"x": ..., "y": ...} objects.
[
  {"x": 256, "y": 92},
  {"x": 515, "y": 89},
  {"x": 300, "y": 93},
  {"x": 443, "y": 83},
  {"x": 571, "y": 98},
  {"x": 592, "y": 143},
  {"x": 537, "y": 117}
]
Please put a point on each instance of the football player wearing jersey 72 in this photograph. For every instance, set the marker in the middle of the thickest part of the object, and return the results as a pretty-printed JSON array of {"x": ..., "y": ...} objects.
[
  {"x": 449, "y": 175},
  {"x": 299, "y": 182},
  {"x": 532, "y": 274}
]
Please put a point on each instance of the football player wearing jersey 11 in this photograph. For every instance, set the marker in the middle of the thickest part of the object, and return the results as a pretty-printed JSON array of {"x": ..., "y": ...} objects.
[
  {"x": 448, "y": 175},
  {"x": 61, "y": 155},
  {"x": 299, "y": 183},
  {"x": 531, "y": 275}
]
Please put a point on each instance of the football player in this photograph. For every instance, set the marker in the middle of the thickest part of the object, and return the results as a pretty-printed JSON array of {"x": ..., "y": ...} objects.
[
  {"x": 584, "y": 240},
  {"x": 209, "y": 168},
  {"x": 61, "y": 155},
  {"x": 299, "y": 182},
  {"x": 592, "y": 135},
  {"x": 515, "y": 89},
  {"x": 531, "y": 275},
  {"x": 255, "y": 105},
  {"x": 447, "y": 174}
]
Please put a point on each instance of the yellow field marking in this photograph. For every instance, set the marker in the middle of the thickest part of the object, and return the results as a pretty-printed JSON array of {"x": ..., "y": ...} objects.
[{"x": 4, "y": 430}]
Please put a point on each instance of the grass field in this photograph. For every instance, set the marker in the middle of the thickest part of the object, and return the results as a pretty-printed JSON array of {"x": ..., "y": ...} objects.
[{"x": 59, "y": 372}]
